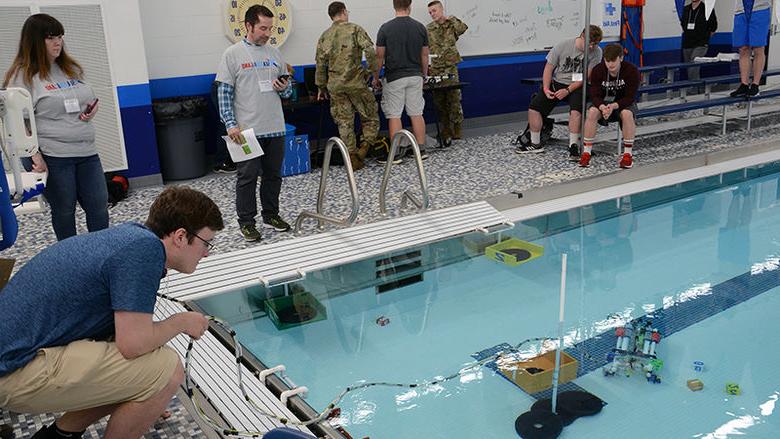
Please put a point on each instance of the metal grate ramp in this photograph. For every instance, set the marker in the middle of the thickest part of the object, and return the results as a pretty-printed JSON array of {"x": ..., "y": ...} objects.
[
  {"x": 291, "y": 259},
  {"x": 214, "y": 371}
]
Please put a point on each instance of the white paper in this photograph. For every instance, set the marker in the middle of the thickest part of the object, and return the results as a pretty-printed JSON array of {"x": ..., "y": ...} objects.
[
  {"x": 576, "y": 77},
  {"x": 709, "y": 6},
  {"x": 249, "y": 150}
]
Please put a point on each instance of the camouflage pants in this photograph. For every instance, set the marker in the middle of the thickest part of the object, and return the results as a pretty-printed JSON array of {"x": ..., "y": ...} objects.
[
  {"x": 344, "y": 105},
  {"x": 448, "y": 101}
]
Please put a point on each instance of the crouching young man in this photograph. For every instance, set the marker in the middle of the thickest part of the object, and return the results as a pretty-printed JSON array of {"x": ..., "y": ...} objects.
[
  {"x": 613, "y": 88},
  {"x": 77, "y": 335}
]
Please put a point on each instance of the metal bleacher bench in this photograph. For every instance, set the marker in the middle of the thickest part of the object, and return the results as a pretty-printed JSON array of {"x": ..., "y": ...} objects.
[{"x": 289, "y": 261}]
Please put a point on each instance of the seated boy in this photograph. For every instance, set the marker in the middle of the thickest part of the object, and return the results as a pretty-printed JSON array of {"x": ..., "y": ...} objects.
[
  {"x": 613, "y": 87},
  {"x": 562, "y": 80}
]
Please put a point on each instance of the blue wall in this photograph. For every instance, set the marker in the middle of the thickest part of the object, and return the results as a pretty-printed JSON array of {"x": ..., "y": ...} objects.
[
  {"x": 494, "y": 89},
  {"x": 135, "y": 108}
]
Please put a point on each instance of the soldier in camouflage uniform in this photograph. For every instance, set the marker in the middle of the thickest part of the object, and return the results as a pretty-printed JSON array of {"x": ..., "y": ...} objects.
[
  {"x": 443, "y": 33},
  {"x": 341, "y": 77}
]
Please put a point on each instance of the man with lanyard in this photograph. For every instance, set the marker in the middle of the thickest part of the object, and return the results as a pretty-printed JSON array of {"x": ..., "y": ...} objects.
[
  {"x": 443, "y": 34},
  {"x": 251, "y": 85},
  {"x": 697, "y": 29},
  {"x": 751, "y": 29},
  {"x": 613, "y": 87},
  {"x": 562, "y": 80}
]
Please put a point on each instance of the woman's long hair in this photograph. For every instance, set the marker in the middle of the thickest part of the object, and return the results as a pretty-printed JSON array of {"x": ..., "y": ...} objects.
[{"x": 31, "y": 58}]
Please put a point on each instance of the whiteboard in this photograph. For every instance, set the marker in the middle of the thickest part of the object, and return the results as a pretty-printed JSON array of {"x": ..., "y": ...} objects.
[{"x": 507, "y": 26}]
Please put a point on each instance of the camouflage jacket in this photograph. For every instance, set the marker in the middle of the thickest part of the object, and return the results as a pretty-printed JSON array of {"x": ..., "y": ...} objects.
[
  {"x": 339, "y": 57},
  {"x": 442, "y": 39}
]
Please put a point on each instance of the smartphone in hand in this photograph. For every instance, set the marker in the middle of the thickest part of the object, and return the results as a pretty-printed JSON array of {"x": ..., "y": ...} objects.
[
  {"x": 284, "y": 77},
  {"x": 90, "y": 107}
]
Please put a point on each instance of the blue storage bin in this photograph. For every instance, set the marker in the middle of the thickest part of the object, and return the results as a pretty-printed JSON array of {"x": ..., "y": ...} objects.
[{"x": 296, "y": 155}]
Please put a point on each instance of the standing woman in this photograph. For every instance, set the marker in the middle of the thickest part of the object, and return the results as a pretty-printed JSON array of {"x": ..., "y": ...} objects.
[{"x": 64, "y": 106}]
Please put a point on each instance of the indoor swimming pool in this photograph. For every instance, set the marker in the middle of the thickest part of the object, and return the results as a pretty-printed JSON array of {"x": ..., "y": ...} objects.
[{"x": 700, "y": 259}]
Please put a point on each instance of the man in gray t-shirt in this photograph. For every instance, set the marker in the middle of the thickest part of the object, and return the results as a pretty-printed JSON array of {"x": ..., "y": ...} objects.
[
  {"x": 562, "y": 80},
  {"x": 250, "y": 89},
  {"x": 402, "y": 48}
]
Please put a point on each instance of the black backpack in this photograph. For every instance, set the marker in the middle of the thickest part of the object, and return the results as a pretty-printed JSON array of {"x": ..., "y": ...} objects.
[{"x": 524, "y": 138}]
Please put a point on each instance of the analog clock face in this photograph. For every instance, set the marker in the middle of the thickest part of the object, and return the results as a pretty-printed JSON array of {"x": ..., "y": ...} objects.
[{"x": 234, "y": 18}]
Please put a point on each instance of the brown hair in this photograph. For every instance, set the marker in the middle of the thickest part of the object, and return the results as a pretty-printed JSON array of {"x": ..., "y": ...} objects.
[
  {"x": 254, "y": 12},
  {"x": 595, "y": 34},
  {"x": 613, "y": 51},
  {"x": 32, "y": 59},
  {"x": 336, "y": 8},
  {"x": 434, "y": 3},
  {"x": 402, "y": 4},
  {"x": 180, "y": 207}
]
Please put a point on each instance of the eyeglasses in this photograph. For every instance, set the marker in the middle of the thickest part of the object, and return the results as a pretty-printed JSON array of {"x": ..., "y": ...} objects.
[{"x": 209, "y": 244}]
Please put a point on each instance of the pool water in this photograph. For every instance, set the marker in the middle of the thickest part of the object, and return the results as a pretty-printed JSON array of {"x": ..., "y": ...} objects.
[{"x": 704, "y": 266}]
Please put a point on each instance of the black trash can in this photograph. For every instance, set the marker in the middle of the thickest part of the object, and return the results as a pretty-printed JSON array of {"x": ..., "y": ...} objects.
[{"x": 181, "y": 142}]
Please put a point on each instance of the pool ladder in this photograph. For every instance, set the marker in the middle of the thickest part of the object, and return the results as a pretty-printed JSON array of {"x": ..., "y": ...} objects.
[
  {"x": 319, "y": 215},
  {"x": 407, "y": 196},
  {"x": 422, "y": 204}
]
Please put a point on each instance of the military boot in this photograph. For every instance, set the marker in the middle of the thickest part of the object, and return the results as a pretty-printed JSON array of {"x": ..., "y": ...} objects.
[
  {"x": 444, "y": 123},
  {"x": 357, "y": 163},
  {"x": 362, "y": 152},
  {"x": 457, "y": 131}
]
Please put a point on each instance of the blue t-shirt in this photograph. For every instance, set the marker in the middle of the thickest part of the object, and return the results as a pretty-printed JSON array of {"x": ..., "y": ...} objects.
[{"x": 70, "y": 291}]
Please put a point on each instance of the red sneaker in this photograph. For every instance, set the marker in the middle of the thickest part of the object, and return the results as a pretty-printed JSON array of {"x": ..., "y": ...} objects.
[
  {"x": 627, "y": 161},
  {"x": 585, "y": 159}
]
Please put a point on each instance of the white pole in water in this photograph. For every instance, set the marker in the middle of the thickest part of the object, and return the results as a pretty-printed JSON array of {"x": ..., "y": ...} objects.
[{"x": 560, "y": 335}]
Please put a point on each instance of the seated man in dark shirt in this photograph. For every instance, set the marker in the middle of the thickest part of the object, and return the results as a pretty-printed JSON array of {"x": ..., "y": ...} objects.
[{"x": 613, "y": 87}]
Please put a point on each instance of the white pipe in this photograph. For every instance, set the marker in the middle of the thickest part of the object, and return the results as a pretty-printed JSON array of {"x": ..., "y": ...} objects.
[{"x": 560, "y": 334}]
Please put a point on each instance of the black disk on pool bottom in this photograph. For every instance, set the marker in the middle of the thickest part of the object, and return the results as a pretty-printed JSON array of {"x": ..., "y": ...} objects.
[
  {"x": 545, "y": 405},
  {"x": 580, "y": 403},
  {"x": 572, "y": 405},
  {"x": 539, "y": 424},
  {"x": 519, "y": 253}
]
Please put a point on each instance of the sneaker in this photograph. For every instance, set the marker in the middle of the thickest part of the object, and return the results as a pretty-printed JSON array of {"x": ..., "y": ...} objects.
[
  {"x": 277, "y": 223},
  {"x": 396, "y": 161},
  {"x": 585, "y": 159},
  {"x": 753, "y": 91},
  {"x": 574, "y": 152},
  {"x": 225, "y": 168},
  {"x": 423, "y": 153},
  {"x": 627, "y": 161},
  {"x": 529, "y": 149},
  {"x": 250, "y": 233},
  {"x": 741, "y": 91}
]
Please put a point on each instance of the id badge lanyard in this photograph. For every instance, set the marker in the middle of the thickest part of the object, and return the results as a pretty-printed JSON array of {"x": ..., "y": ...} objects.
[
  {"x": 265, "y": 85},
  {"x": 692, "y": 23}
]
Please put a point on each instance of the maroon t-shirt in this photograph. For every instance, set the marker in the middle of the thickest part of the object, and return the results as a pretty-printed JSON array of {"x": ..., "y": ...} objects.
[{"x": 621, "y": 88}]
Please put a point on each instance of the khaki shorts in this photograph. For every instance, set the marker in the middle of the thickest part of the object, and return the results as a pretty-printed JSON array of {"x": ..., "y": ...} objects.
[
  {"x": 405, "y": 92},
  {"x": 85, "y": 374}
]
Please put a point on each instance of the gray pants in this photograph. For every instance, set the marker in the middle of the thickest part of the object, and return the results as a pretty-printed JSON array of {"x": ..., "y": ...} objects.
[
  {"x": 269, "y": 168},
  {"x": 689, "y": 55}
]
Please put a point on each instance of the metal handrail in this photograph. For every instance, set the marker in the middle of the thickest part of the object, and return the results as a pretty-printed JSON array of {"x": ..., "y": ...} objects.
[
  {"x": 319, "y": 215},
  {"x": 423, "y": 204}
]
